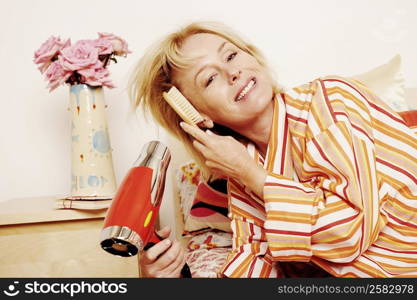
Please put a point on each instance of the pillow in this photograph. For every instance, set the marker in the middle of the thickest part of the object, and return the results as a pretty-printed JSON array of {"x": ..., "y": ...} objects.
[
  {"x": 410, "y": 118},
  {"x": 210, "y": 240},
  {"x": 411, "y": 97},
  {"x": 387, "y": 81},
  {"x": 206, "y": 263},
  {"x": 203, "y": 207},
  {"x": 188, "y": 178}
]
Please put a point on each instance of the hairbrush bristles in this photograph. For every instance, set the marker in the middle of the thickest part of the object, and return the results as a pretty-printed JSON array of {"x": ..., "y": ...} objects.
[{"x": 182, "y": 106}]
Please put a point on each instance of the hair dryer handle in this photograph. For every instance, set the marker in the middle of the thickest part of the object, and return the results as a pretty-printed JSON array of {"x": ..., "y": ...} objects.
[{"x": 155, "y": 238}]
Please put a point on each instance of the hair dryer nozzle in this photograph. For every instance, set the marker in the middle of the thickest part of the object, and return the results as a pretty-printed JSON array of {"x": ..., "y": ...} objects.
[{"x": 121, "y": 240}]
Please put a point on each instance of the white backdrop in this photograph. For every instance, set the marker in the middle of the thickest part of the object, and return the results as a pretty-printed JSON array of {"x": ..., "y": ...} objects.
[{"x": 302, "y": 39}]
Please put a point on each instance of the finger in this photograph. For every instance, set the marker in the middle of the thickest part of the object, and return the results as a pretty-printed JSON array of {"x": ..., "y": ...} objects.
[
  {"x": 175, "y": 267},
  {"x": 206, "y": 123},
  {"x": 205, "y": 150},
  {"x": 200, "y": 147},
  {"x": 155, "y": 251},
  {"x": 178, "y": 270},
  {"x": 166, "y": 259},
  {"x": 176, "y": 273},
  {"x": 195, "y": 132},
  {"x": 209, "y": 132},
  {"x": 164, "y": 232}
]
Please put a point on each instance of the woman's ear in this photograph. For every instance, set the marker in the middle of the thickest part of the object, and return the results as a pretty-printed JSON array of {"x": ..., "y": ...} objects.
[{"x": 207, "y": 122}]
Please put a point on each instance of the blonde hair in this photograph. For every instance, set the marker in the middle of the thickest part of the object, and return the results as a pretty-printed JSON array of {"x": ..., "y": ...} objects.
[{"x": 152, "y": 76}]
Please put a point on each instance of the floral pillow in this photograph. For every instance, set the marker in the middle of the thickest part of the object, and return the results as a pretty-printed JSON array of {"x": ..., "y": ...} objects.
[
  {"x": 204, "y": 208},
  {"x": 207, "y": 253},
  {"x": 210, "y": 240},
  {"x": 205, "y": 263}
]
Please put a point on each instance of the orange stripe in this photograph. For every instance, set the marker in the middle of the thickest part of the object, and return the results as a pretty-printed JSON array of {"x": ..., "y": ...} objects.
[
  {"x": 392, "y": 257},
  {"x": 394, "y": 133},
  {"x": 347, "y": 95},
  {"x": 289, "y": 217},
  {"x": 272, "y": 147}
]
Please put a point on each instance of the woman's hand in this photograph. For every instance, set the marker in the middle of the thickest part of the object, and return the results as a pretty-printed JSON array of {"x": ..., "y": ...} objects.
[
  {"x": 163, "y": 260},
  {"x": 226, "y": 156}
]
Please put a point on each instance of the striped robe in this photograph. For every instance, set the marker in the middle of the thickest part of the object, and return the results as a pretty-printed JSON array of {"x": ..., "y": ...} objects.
[{"x": 341, "y": 189}]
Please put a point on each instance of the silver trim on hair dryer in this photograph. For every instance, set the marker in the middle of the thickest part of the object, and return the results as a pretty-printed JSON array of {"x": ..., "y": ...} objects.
[{"x": 156, "y": 156}]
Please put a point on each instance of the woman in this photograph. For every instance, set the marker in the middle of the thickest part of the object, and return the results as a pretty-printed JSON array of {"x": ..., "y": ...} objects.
[{"x": 324, "y": 173}]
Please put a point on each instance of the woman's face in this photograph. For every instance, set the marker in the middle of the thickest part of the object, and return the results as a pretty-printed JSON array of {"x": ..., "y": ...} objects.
[{"x": 225, "y": 83}]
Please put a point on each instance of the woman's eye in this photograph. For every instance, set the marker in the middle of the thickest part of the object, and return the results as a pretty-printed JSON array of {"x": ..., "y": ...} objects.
[
  {"x": 231, "y": 56},
  {"x": 210, "y": 80}
]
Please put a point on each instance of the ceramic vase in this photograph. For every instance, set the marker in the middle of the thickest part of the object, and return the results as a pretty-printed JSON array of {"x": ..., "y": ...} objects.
[{"x": 92, "y": 173}]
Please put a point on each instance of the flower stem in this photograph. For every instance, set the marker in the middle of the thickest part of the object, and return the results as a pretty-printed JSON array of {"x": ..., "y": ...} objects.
[{"x": 106, "y": 60}]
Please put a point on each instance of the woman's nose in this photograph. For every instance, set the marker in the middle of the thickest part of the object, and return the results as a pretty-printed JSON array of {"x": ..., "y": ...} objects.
[{"x": 234, "y": 76}]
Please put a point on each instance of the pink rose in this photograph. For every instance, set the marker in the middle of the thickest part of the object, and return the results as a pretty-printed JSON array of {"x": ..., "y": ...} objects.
[
  {"x": 96, "y": 76},
  {"x": 104, "y": 46},
  {"x": 56, "y": 75},
  {"x": 82, "y": 63},
  {"x": 80, "y": 56},
  {"x": 120, "y": 46},
  {"x": 48, "y": 52}
]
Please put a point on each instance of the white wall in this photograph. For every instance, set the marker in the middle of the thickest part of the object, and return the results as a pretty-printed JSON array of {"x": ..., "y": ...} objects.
[{"x": 302, "y": 39}]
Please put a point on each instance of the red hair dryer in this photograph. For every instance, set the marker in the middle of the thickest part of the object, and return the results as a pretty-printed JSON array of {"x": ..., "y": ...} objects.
[{"x": 129, "y": 223}]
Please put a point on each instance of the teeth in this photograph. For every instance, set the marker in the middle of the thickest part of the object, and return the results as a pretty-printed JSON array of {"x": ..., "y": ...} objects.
[{"x": 246, "y": 90}]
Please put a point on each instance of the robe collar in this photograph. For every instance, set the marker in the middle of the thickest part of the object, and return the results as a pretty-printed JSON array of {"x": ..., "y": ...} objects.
[{"x": 276, "y": 155}]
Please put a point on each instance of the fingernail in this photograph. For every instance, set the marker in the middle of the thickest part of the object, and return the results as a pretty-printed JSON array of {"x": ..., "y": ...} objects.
[
  {"x": 168, "y": 242},
  {"x": 182, "y": 124},
  {"x": 209, "y": 132}
]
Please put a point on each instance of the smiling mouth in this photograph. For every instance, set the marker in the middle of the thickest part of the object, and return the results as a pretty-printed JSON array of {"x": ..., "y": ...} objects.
[{"x": 246, "y": 90}]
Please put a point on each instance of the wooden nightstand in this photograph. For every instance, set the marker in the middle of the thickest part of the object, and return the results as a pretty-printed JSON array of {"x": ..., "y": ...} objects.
[{"x": 38, "y": 240}]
